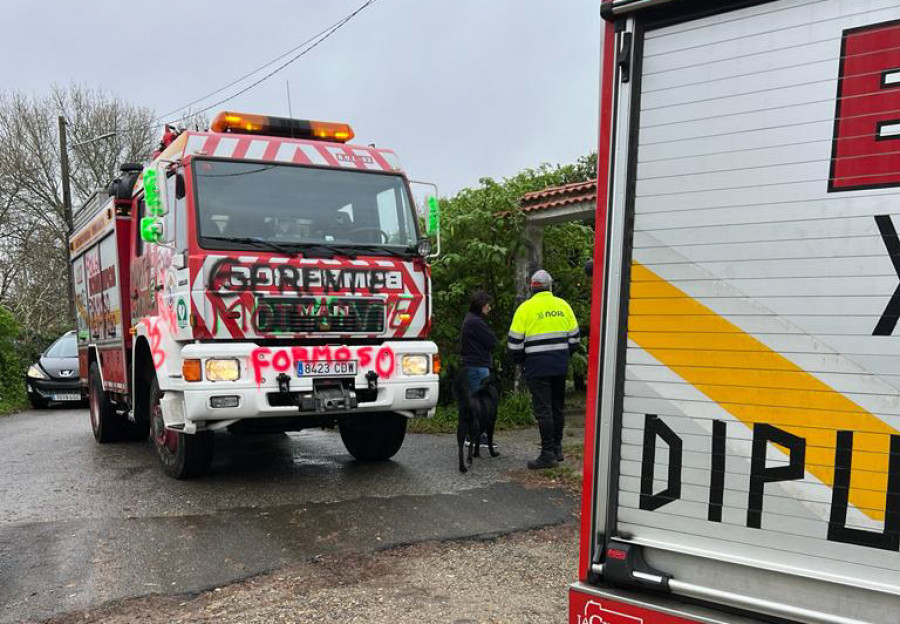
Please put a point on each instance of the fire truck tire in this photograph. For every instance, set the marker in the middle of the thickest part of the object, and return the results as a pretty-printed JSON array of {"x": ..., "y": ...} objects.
[
  {"x": 105, "y": 423},
  {"x": 181, "y": 455},
  {"x": 373, "y": 437}
]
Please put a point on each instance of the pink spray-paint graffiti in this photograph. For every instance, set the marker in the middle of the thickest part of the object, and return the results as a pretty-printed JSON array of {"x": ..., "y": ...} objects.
[
  {"x": 381, "y": 359},
  {"x": 156, "y": 325},
  {"x": 154, "y": 335}
]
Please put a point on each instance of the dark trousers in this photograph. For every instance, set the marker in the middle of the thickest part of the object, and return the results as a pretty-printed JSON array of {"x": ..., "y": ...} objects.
[{"x": 548, "y": 396}]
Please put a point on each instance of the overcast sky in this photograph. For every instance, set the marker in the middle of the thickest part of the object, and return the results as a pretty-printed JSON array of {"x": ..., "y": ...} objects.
[{"x": 460, "y": 89}]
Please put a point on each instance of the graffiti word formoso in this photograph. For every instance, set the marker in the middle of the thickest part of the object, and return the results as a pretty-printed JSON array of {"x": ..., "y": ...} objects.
[{"x": 284, "y": 359}]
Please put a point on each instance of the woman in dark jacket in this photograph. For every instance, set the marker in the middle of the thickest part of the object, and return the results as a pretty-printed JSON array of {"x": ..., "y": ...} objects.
[{"x": 477, "y": 340}]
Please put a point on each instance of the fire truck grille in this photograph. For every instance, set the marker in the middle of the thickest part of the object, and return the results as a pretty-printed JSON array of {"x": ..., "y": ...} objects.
[{"x": 340, "y": 315}]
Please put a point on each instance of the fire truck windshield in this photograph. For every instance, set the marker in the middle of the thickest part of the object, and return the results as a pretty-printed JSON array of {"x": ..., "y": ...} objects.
[{"x": 292, "y": 206}]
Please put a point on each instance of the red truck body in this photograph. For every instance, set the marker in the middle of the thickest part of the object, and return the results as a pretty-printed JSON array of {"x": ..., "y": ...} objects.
[
  {"x": 743, "y": 431},
  {"x": 279, "y": 282}
]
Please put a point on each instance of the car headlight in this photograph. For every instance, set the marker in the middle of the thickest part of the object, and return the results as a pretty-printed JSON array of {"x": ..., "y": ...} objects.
[
  {"x": 223, "y": 370},
  {"x": 414, "y": 364},
  {"x": 35, "y": 373}
]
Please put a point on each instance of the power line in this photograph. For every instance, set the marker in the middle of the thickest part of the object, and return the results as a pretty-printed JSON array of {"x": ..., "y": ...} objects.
[
  {"x": 312, "y": 43},
  {"x": 315, "y": 41}
]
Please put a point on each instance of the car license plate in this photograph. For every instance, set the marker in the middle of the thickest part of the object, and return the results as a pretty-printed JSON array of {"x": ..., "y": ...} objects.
[
  {"x": 327, "y": 368},
  {"x": 67, "y": 397}
]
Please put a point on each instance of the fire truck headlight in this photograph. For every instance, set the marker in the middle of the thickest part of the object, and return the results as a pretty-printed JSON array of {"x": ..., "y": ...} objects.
[
  {"x": 414, "y": 364},
  {"x": 35, "y": 373},
  {"x": 223, "y": 370}
]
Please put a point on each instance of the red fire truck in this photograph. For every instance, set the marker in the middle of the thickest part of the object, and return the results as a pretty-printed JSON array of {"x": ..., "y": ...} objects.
[
  {"x": 742, "y": 450},
  {"x": 262, "y": 275}
]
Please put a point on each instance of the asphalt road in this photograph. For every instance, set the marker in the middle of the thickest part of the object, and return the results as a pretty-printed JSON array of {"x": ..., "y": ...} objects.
[{"x": 82, "y": 523}]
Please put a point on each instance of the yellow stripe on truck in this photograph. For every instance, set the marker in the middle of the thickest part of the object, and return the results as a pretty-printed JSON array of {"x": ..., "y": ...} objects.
[{"x": 758, "y": 385}]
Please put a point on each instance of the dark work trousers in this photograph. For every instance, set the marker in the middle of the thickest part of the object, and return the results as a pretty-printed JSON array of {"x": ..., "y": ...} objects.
[{"x": 548, "y": 396}]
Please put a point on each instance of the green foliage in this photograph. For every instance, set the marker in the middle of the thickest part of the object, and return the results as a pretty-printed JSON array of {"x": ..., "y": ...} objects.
[
  {"x": 578, "y": 365},
  {"x": 12, "y": 386},
  {"x": 514, "y": 412},
  {"x": 482, "y": 232}
]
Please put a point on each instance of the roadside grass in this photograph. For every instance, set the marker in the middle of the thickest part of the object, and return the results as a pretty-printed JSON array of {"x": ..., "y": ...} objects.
[
  {"x": 565, "y": 476},
  {"x": 568, "y": 474},
  {"x": 574, "y": 451},
  {"x": 514, "y": 412},
  {"x": 11, "y": 406}
]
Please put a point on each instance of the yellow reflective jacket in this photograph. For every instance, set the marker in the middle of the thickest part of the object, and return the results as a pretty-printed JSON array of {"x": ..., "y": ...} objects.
[{"x": 543, "y": 334}]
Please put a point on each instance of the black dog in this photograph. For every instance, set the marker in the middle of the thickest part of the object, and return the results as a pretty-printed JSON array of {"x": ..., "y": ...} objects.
[{"x": 477, "y": 415}]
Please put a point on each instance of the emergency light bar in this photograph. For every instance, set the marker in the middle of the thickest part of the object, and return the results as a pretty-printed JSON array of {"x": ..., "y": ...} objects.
[{"x": 244, "y": 123}]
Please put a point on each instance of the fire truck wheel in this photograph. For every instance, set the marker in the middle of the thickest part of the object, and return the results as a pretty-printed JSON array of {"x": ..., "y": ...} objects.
[
  {"x": 106, "y": 424},
  {"x": 373, "y": 437},
  {"x": 182, "y": 456}
]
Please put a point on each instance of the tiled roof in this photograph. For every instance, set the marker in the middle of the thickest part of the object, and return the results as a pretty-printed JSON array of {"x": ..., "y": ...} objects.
[{"x": 557, "y": 196}]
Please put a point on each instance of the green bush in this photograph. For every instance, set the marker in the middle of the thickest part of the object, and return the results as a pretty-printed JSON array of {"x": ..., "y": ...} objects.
[
  {"x": 12, "y": 385},
  {"x": 482, "y": 235},
  {"x": 515, "y": 411}
]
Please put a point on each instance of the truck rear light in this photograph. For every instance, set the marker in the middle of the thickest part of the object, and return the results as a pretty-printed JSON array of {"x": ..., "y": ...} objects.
[
  {"x": 612, "y": 553},
  {"x": 190, "y": 370},
  {"x": 244, "y": 123},
  {"x": 219, "y": 402}
]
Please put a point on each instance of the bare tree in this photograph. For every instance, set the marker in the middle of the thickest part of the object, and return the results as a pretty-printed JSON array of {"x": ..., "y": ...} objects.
[{"x": 33, "y": 249}]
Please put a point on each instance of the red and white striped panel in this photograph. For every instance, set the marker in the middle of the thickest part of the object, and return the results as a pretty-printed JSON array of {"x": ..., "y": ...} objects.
[
  {"x": 297, "y": 151},
  {"x": 213, "y": 306}
]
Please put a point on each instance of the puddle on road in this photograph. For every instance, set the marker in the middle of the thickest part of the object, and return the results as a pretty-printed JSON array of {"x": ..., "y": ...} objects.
[{"x": 313, "y": 448}]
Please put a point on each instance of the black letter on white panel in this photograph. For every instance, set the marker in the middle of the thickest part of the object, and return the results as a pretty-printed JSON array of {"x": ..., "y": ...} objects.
[
  {"x": 889, "y": 539},
  {"x": 888, "y": 321},
  {"x": 760, "y": 474},
  {"x": 653, "y": 428},
  {"x": 717, "y": 471}
]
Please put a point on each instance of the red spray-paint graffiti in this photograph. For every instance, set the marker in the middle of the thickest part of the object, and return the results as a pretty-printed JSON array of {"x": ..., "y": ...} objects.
[{"x": 280, "y": 360}]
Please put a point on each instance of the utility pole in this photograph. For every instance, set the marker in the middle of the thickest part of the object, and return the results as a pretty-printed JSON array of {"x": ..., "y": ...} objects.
[{"x": 67, "y": 209}]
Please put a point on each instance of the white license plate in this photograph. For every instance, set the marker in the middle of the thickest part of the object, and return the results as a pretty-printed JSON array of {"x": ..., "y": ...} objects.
[
  {"x": 327, "y": 368},
  {"x": 67, "y": 397}
]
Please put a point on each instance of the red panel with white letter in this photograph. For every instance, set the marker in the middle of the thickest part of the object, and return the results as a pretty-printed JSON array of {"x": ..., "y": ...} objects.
[
  {"x": 585, "y": 608},
  {"x": 866, "y": 150}
]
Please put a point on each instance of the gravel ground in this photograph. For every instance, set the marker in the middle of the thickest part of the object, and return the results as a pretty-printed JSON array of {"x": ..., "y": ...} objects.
[{"x": 517, "y": 578}]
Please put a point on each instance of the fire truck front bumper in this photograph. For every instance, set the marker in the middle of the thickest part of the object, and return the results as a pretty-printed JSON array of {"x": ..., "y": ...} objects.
[{"x": 302, "y": 382}]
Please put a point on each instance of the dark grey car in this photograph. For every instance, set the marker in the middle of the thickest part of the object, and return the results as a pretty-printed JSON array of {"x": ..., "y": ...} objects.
[{"x": 54, "y": 377}]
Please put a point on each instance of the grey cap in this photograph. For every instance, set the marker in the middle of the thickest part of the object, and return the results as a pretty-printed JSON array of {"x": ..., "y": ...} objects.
[{"x": 541, "y": 280}]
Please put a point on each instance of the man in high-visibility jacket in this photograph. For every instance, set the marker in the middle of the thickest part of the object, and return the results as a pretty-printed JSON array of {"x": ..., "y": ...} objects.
[{"x": 543, "y": 334}]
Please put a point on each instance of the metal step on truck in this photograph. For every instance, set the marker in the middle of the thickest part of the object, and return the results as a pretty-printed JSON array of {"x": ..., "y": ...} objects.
[
  {"x": 742, "y": 452},
  {"x": 262, "y": 275}
]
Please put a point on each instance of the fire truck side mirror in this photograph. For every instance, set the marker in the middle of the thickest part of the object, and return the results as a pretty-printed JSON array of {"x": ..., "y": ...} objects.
[
  {"x": 434, "y": 216},
  {"x": 154, "y": 195},
  {"x": 434, "y": 224},
  {"x": 151, "y": 229},
  {"x": 179, "y": 186}
]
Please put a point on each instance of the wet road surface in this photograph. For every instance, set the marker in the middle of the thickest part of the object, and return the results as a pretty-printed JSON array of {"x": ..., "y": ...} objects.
[{"x": 83, "y": 523}]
